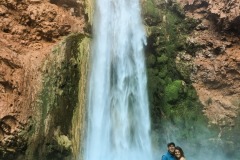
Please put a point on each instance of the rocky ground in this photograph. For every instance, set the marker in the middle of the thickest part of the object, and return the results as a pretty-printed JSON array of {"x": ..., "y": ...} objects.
[
  {"x": 29, "y": 29},
  {"x": 216, "y": 74}
]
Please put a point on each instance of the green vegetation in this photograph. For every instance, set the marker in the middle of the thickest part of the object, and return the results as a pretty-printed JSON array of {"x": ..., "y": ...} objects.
[
  {"x": 151, "y": 12},
  {"x": 150, "y": 9},
  {"x": 173, "y": 91},
  {"x": 59, "y": 101},
  {"x": 162, "y": 59},
  {"x": 174, "y": 103}
]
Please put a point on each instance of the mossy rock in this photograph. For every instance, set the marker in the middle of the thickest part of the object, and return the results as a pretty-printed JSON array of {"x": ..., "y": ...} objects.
[
  {"x": 152, "y": 71},
  {"x": 151, "y": 13},
  {"x": 178, "y": 9},
  {"x": 151, "y": 60},
  {"x": 163, "y": 72},
  {"x": 64, "y": 142},
  {"x": 184, "y": 64},
  {"x": 173, "y": 91},
  {"x": 154, "y": 30},
  {"x": 58, "y": 101},
  {"x": 162, "y": 59}
]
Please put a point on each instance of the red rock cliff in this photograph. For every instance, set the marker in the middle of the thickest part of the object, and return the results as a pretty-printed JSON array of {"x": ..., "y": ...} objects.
[
  {"x": 29, "y": 29},
  {"x": 217, "y": 60}
]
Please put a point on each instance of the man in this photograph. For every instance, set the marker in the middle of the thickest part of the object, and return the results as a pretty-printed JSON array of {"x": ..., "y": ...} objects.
[{"x": 170, "y": 154}]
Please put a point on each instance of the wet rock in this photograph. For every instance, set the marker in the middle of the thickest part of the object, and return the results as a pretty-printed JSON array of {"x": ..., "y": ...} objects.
[
  {"x": 184, "y": 64},
  {"x": 35, "y": 1},
  {"x": 201, "y": 27},
  {"x": 219, "y": 50},
  {"x": 3, "y": 10}
]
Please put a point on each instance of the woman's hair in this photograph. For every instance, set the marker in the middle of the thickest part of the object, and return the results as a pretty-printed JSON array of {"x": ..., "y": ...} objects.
[{"x": 180, "y": 150}]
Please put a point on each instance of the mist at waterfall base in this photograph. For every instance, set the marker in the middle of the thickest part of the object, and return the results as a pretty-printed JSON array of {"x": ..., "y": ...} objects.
[
  {"x": 118, "y": 124},
  {"x": 203, "y": 144}
]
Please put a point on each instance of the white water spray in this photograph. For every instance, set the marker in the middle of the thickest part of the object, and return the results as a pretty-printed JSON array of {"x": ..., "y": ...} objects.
[{"x": 118, "y": 116}]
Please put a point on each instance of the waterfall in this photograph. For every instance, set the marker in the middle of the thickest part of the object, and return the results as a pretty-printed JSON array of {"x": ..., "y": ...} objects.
[{"x": 118, "y": 116}]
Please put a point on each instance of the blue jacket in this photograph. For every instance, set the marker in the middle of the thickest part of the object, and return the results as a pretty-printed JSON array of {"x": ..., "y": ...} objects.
[{"x": 168, "y": 156}]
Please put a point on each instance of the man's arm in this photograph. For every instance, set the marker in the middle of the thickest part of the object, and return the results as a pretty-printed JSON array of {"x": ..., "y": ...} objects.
[{"x": 164, "y": 157}]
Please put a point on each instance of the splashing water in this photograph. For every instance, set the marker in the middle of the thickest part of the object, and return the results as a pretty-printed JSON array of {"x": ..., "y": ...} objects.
[{"x": 118, "y": 116}]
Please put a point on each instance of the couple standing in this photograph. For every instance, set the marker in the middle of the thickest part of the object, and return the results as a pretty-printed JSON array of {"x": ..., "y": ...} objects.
[{"x": 174, "y": 153}]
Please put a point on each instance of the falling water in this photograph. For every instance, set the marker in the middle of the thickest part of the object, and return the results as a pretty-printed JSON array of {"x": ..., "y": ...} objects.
[{"x": 118, "y": 116}]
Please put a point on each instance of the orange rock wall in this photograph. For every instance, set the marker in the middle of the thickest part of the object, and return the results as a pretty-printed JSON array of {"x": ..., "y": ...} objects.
[
  {"x": 29, "y": 30},
  {"x": 217, "y": 61}
]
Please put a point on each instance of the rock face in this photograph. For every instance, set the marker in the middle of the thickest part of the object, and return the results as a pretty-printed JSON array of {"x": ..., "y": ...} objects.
[
  {"x": 216, "y": 59},
  {"x": 175, "y": 109},
  {"x": 202, "y": 37},
  {"x": 217, "y": 55},
  {"x": 59, "y": 127},
  {"x": 29, "y": 29},
  {"x": 28, "y": 22}
]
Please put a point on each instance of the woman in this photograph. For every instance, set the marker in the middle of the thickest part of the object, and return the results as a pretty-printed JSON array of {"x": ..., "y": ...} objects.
[{"x": 179, "y": 154}]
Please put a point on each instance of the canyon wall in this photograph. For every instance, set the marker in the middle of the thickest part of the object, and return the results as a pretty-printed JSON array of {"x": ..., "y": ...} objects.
[
  {"x": 193, "y": 72},
  {"x": 216, "y": 57},
  {"x": 193, "y": 75},
  {"x": 216, "y": 61},
  {"x": 42, "y": 78}
]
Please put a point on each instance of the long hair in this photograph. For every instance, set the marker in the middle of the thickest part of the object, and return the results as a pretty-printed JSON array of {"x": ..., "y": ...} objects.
[{"x": 180, "y": 150}]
